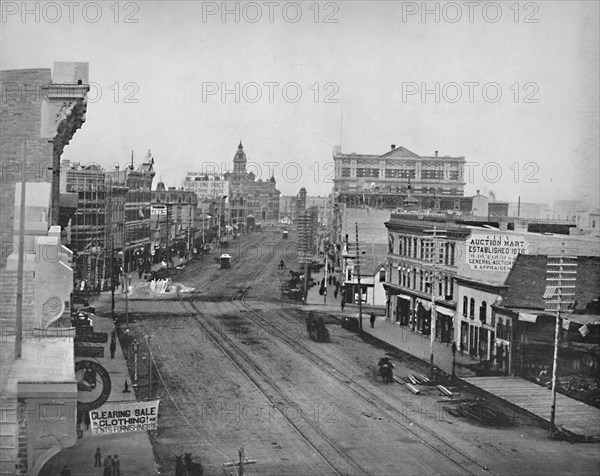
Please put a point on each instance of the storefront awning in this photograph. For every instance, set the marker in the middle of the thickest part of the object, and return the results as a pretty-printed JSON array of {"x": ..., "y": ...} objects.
[
  {"x": 527, "y": 317},
  {"x": 444, "y": 311}
]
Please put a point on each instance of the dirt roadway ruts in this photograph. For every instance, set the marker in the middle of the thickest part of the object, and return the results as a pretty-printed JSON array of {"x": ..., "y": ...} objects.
[{"x": 227, "y": 382}]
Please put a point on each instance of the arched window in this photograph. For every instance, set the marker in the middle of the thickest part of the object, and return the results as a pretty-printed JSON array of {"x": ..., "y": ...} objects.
[
  {"x": 483, "y": 312},
  {"x": 465, "y": 305},
  {"x": 472, "y": 309}
]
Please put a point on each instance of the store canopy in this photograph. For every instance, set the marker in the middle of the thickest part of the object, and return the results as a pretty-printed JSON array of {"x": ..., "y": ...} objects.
[
  {"x": 527, "y": 317},
  {"x": 444, "y": 311}
]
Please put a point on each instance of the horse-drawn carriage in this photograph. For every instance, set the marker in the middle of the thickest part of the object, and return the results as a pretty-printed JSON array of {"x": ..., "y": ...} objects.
[
  {"x": 386, "y": 369},
  {"x": 225, "y": 261}
]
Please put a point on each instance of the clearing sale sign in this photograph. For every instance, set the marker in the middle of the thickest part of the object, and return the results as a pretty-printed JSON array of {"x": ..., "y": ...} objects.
[
  {"x": 124, "y": 417},
  {"x": 494, "y": 251}
]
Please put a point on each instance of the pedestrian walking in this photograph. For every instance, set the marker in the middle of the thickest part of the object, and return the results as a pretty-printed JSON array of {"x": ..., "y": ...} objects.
[
  {"x": 88, "y": 421},
  {"x": 98, "y": 458},
  {"x": 343, "y": 303},
  {"x": 372, "y": 320},
  {"x": 116, "y": 466},
  {"x": 107, "y": 466},
  {"x": 113, "y": 348}
]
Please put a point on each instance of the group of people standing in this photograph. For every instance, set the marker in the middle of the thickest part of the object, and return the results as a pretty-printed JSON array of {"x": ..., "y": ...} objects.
[{"x": 112, "y": 464}]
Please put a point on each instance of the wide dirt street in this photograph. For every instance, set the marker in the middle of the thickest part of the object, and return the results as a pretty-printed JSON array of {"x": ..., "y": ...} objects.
[{"x": 234, "y": 367}]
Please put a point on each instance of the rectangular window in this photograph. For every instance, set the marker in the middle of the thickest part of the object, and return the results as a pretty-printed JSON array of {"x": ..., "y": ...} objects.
[{"x": 382, "y": 275}]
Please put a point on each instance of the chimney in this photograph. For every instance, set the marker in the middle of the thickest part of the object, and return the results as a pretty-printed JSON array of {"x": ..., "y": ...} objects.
[
  {"x": 393, "y": 146},
  {"x": 436, "y": 153}
]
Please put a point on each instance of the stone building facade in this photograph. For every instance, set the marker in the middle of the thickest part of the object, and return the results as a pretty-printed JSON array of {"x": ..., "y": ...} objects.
[
  {"x": 248, "y": 196},
  {"x": 385, "y": 181}
]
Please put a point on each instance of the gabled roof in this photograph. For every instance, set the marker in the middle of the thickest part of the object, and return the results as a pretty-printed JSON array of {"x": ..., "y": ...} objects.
[
  {"x": 527, "y": 282},
  {"x": 400, "y": 153}
]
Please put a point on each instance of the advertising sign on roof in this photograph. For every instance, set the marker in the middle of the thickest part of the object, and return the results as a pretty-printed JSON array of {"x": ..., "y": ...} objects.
[
  {"x": 207, "y": 189},
  {"x": 494, "y": 251}
]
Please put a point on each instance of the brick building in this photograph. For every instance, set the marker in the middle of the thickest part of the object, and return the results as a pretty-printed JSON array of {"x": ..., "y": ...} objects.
[
  {"x": 138, "y": 202},
  {"x": 40, "y": 112},
  {"x": 87, "y": 228},
  {"x": 173, "y": 219}
]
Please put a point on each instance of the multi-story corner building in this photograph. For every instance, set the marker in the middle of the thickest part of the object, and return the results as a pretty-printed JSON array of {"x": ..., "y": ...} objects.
[
  {"x": 138, "y": 202},
  {"x": 40, "y": 112},
  {"x": 87, "y": 228},
  {"x": 383, "y": 181},
  {"x": 248, "y": 196},
  {"x": 468, "y": 264},
  {"x": 423, "y": 259},
  {"x": 116, "y": 196},
  {"x": 173, "y": 219}
]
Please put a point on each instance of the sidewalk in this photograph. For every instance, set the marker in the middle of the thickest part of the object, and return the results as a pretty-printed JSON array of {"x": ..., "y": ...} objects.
[
  {"x": 134, "y": 449},
  {"x": 401, "y": 337}
]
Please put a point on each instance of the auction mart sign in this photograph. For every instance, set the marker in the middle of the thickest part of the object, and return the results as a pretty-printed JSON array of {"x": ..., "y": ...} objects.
[{"x": 494, "y": 251}]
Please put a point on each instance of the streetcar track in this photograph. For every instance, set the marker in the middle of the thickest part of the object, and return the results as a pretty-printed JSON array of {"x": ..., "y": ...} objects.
[
  {"x": 371, "y": 398},
  {"x": 241, "y": 362},
  {"x": 422, "y": 433}
]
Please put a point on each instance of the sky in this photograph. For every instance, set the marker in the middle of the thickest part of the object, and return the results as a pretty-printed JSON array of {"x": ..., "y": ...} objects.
[{"x": 512, "y": 86}]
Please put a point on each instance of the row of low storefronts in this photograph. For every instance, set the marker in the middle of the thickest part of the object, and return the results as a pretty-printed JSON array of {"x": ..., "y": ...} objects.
[{"x": 478, "y": 282}]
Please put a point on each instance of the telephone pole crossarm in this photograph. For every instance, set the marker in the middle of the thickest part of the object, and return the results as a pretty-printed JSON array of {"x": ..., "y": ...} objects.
[{"x": 561, "y": 273}]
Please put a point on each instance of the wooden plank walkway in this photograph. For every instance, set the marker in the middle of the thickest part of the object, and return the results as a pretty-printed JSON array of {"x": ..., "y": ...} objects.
[{"x": 572, "y": 415}]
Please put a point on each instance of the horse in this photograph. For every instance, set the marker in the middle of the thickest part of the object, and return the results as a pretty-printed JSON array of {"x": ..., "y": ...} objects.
[
  {"x": 193, "y": 469},
  {"x": 180, "y": 469}
]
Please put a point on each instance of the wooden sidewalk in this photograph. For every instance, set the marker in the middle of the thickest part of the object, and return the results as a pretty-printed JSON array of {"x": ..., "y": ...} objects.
[{"x": 571, "y": 415}]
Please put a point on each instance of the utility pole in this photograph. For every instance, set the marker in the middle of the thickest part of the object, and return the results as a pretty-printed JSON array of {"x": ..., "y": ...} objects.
[
  {"x": 326, "y": 276},
  {"x": 21, "y": 257},
  {"x": 112, "y": 249},
  {"x": 189, "y": 254},
  {"x": 432, "y": 321},
  {"x": 561, "y": 270},
  {"x": 149, "y": 369},
  {"x": 358, "y": 280}
]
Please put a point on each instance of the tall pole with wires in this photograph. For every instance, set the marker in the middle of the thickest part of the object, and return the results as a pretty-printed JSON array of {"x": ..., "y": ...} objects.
[
  {"x": 436, "y": 234},
  {"x": 358, "y": 281},
  {"x": 561, "y": 274}
]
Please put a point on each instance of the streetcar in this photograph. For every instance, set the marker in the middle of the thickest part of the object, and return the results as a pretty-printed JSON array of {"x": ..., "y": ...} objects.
[{"x": 225, "y": 261}]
